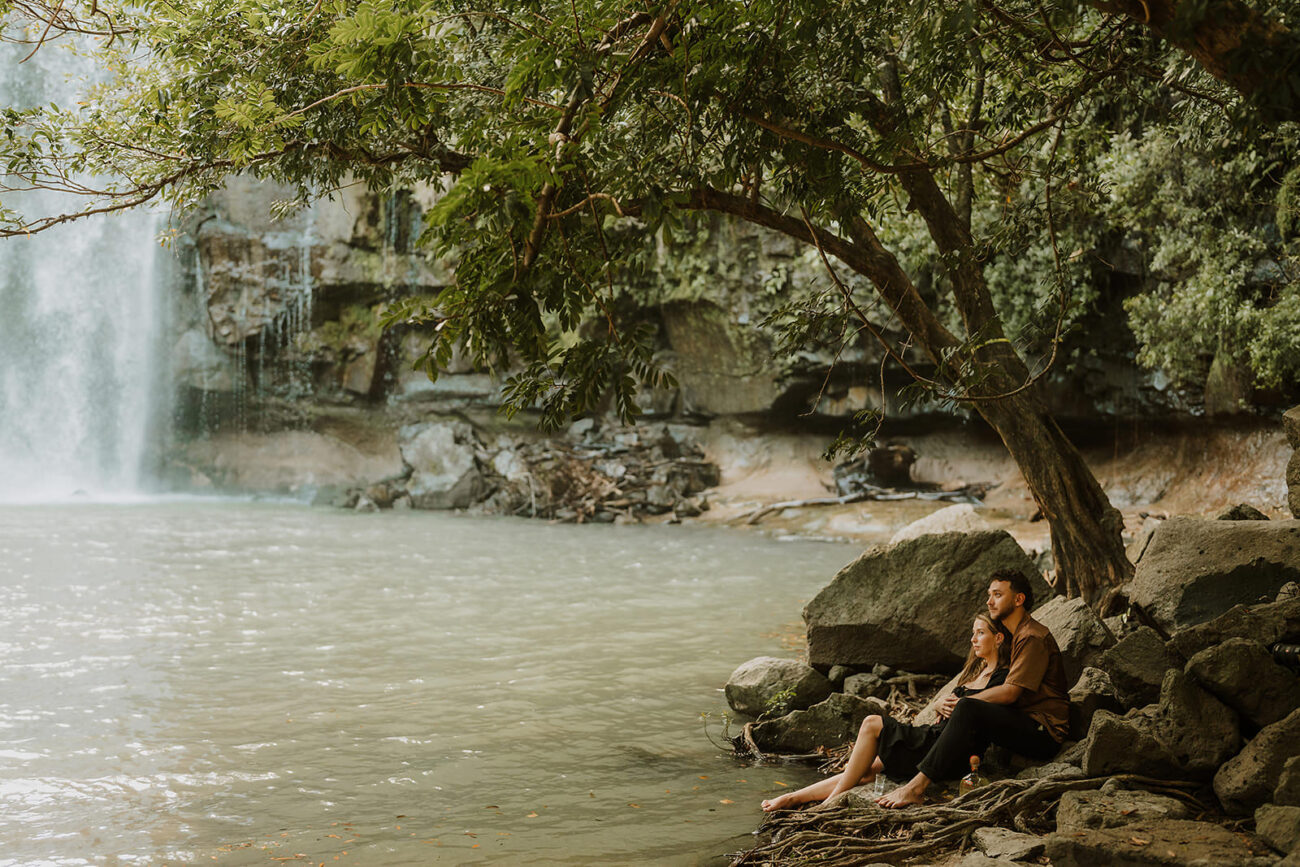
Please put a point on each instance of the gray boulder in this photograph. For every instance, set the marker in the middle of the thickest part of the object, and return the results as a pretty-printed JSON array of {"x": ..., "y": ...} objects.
[
  {"x": 1291, "y": 426},
  {"x": 827, "y": 724},
  {"x": 837, "y": 674},
  {"x": 866, "y": 685},
  {"x": 1002, "y": 843},
  {"x": 1244, "y": 675},
  {"x": 959, "y": 518},
  {"x": 1093, "y": 691},
  {"x": 1137, "y": 666},
  {"x": 1197, "y": 729},
  {"x": 1051, "y": 771},
  {"x": 1157, "y": 842},
  {"x": 1142, "y": 539},
  {"x": 1267, "y": 624},
  {"x": 1078, "y": 631},
  {"x": 911, "y": 604},
  {"x": 1293, "y": 484},
  {"x": 1287, "y": 792},
  {"x": 1279, "y": 827},
  {"x": 1188, "y": 734},
  {"x": 766, "y": 684},
  {"x": 1241, "y": 512},
  {"x": 444, "y": 473},
  {"x": 1079, "y": 811},
  {"x": 1195, "y": 569},
  {"x": 1127, "y": 745},
  {"x": 1248, "y": 780}
]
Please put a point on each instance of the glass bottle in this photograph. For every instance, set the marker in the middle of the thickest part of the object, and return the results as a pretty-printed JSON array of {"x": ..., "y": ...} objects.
[{"x": 972, "y": 780}]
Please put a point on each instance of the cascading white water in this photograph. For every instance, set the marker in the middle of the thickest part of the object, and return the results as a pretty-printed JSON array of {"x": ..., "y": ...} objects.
[{"x": 80, "y": 317}]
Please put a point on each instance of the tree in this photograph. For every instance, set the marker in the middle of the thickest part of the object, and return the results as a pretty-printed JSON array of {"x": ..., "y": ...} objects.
[
  {"x": 1253, "y": 50},
  {"x": 569, "y": 135}
]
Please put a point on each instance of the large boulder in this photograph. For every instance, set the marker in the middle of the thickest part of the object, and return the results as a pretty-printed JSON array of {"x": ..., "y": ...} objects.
[
  {"x": 1249, "y": 779},
  {"x": 1244, "y": 675},
  {"x": 1195, "y": 569},
  {"x": 958, "y": 518},
  {"x": 1188, "y": 734},
  {"x": 767, "y": 684},
  {"x": 1291, "y": 426},
  {"x": 1287, "y": 791},
  {"x": 912, "y": 604},
  {"x": 1111, "y": 807},
  {"x": 1127, "y": 745},
  {"x": 1093, "y": 691},
  {"x": 827, "y": 724},
  {"x": 1279, "y": 827},
  {"x": 1241, "y": 512},
  {"x": 1078, "y": 631},
  {"x": 1156, "y": 842},
  {"x": 1007, "y": 845},
  {"x": 1199, "y": 731},
  {"x": 444, "y": 473},
  {"x": 1293, "y": 484},
  {"x": 1267, "y": 624},
  {"x": 1137, "y": 666}
]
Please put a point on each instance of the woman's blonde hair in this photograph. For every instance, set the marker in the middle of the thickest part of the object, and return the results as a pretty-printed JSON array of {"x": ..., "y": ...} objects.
[{"x": 974, "y": 665}]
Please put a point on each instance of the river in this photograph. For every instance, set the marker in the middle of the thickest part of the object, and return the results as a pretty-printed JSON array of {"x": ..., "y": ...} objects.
[{"x": 252, "y": 683}]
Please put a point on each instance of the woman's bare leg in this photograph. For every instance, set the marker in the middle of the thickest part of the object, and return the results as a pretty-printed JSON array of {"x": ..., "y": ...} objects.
[
  {"x": 817, "y": 791},
  {"x": 862, "y": 766}
]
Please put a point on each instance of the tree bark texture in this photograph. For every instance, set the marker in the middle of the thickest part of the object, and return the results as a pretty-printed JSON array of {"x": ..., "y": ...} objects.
[
  {"x": 1235, "y": 42},
  {"x": 1087, "y": 541}
]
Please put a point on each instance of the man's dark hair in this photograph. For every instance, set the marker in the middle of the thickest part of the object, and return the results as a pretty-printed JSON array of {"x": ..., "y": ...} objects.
[{"x": 1019, "y": 584}]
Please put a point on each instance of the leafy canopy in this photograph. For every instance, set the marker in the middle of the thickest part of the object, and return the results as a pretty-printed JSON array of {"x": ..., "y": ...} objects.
[{"x": 570, "y": 140}]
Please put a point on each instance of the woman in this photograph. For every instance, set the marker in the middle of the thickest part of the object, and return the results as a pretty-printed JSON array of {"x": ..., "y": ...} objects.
[{"x": 889, "y": 747}]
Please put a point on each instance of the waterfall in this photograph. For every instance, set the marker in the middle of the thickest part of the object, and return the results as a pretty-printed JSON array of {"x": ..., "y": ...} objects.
[{"x": 80, "y": 323}]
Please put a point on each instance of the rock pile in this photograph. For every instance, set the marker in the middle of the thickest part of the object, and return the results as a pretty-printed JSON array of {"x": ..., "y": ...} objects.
[
  {"x": 1210, "y": 702},
  {"x": 628, "y": 474}
]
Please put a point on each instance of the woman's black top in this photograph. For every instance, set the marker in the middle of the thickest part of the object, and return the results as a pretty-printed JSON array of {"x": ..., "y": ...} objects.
[{"x": 902, "y": 747}]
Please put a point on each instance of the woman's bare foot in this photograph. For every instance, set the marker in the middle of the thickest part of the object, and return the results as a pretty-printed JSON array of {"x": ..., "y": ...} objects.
[
  {"x": 904, "y": 796},
  {"x": 837, "y": 795},
  {"x": 781, "y": 802}
]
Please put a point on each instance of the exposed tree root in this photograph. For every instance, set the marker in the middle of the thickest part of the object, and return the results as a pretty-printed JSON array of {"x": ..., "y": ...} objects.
[{"x": 842, "y": 834}]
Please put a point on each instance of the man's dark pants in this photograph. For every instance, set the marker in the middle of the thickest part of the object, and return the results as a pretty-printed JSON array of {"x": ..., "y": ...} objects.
[{"x": 974, "y": 725}]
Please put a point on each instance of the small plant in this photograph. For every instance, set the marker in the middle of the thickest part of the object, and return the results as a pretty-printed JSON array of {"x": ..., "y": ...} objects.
[{"x": 778, "y": 704}]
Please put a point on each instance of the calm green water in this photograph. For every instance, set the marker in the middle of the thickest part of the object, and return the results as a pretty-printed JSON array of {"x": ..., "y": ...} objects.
[{"x": 235, "y": 683}]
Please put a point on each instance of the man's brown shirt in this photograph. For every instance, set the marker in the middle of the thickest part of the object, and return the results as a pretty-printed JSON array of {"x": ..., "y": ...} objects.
[{"x": 1036, "y": 668}]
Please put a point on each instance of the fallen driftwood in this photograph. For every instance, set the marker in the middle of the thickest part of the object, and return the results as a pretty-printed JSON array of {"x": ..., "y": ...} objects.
[{"x": 967, "y": 494}]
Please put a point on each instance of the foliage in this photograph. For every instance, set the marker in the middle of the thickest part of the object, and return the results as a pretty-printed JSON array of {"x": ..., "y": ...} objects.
[
  {"x": 1222, "y": 280},
  {"x": 571, "y": 137}
]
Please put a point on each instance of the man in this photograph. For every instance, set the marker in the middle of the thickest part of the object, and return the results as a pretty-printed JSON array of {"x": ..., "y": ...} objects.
[{"x": 1028, "y": 714}]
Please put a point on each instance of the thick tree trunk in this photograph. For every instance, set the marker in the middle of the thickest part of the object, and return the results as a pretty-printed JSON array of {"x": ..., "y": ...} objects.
[{"x": 1086, "y": 529}]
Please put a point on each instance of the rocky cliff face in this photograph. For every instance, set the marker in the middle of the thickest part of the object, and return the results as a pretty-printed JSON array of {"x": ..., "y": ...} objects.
[{"x": 278, "y": 332}]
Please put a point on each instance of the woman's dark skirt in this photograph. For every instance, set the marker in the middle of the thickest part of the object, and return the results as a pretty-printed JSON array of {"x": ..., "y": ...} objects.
[{"x": 902, "y": 746}]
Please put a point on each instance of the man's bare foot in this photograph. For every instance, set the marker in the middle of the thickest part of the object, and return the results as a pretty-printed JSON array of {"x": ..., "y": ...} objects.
[
  {"x": 780, "y": 802},
  {"x": 904, "y": 796}
]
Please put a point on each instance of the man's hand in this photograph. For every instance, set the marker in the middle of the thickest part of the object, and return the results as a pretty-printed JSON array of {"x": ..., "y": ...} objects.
[{"x": 945, "y": 707}]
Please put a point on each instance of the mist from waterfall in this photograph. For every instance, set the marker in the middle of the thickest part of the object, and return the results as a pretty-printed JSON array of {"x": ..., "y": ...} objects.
[{"x": 80, "y": 324}]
